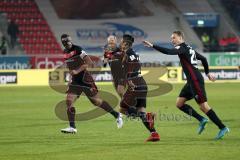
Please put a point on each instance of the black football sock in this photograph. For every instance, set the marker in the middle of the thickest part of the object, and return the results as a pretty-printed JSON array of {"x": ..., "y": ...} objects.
[
  {"x": 109, "y": 109},
  {"x": 190, "y": 111},
  {"x": 71, "y": 116},
  {"x": 214, "y": 118},
  {"x": 132, "y": 111},
  {"x": 143, "y": 117}
]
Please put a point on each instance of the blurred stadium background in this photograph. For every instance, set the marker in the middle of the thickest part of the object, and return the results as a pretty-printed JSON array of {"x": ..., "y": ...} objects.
[
  {"x": 30, "y": 49},
  {"x": 209, "y": 26}
]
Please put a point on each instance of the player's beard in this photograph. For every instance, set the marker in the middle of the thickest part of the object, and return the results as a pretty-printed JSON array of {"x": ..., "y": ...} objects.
[
  {"x": 124, "y": 46},
  {"x": 68, "y": 45}
]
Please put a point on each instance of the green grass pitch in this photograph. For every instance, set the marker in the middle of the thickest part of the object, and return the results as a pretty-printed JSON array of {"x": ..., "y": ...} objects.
[{"x": 29, "y": 128}]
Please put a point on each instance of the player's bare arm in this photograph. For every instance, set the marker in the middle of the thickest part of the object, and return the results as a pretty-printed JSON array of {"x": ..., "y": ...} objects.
[
  {"x": 106, "y": 56},
  {"x": 88, "y": 62},
  {"x": 131, "y": 84},
  {"x": 121, "y": 89}
]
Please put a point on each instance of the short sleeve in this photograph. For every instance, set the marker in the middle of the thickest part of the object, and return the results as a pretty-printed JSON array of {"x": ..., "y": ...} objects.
[{"x": 83, "y": 54}]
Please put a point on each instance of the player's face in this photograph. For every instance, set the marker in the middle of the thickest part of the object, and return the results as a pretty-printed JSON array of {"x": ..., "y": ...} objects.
[
  {"x": 176, "y": 40},
  {"x": 112, "y": 43},
  {"x": 67, "y": 43},
  {"x": 123, "y": 46}
]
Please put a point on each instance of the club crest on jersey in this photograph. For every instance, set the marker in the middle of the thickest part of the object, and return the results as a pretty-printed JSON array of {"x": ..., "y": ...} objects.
[{"x": 177, "y": 47}]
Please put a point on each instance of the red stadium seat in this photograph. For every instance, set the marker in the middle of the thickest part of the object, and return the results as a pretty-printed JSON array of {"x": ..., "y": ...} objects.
[{"x": 35, "y": 34}]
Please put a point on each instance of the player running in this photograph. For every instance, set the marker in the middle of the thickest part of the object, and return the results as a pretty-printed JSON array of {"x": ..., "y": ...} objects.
[
  {"x": 113, "y": 56},
  {"x": 77, "y": 62},
  {"x": 136, "y": 93},
  {"x": 194, "y": 88}
]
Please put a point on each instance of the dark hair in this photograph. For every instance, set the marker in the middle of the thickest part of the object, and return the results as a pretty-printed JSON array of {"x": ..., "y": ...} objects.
[
  {"x": 179, "y": 33},
  {"x": 128, "y": 39},
  {"x": 64, "y": 36}
]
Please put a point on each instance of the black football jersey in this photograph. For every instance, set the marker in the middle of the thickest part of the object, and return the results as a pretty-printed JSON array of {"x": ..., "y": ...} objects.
[
  {"x": 188, "y": 58},
  {"x": 131, "y": 65},
  {"x": 74, "y": 57}
]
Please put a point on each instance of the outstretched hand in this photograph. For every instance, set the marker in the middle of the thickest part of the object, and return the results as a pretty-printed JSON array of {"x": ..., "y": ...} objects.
[{"x": 147, "y": 44}]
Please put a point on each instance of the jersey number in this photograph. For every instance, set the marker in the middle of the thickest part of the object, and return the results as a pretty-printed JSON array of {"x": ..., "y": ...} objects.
[
  {"x": 133, "y": 57},
  {"x": 193, "y": 57}
]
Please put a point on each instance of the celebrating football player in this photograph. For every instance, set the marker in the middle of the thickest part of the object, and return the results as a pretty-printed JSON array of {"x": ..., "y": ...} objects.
[
  {"x": 194, "y": 88},
  {"x": 77, "y": 62}
]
